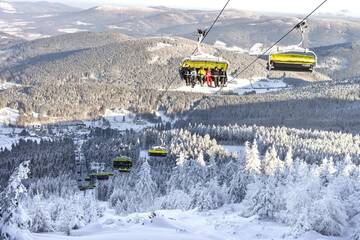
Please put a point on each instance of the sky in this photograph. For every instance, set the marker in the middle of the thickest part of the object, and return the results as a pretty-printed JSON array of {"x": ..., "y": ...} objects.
[{"x": 349, "y": 7}]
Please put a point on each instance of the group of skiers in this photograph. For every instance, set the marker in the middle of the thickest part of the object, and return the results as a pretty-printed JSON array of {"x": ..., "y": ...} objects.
[{"x": 212, "y": 77}]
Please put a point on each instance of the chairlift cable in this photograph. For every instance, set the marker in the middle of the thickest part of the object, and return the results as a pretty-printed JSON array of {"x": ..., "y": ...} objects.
[
  {"x": 284, "y": 36},
  {"x": 213, "y": 24}
]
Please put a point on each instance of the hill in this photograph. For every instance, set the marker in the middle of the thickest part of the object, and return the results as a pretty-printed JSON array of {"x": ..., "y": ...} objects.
[{"x": 148, "y": 62}]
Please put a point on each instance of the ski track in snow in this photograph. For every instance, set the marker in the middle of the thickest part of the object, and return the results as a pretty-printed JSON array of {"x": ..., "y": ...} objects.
[
  {"x": 224, "y": 223},
  {"x": 240, "y": 86}
]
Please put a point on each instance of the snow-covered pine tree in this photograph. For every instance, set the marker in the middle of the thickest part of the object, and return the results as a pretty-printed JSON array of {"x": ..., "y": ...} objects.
[
  {"x": 270, "y": 162},
  {"x": 145, "y": 187},
  {"x": 289, "y": 160},
  {"x": 185, "y": 177},
  {"x": 200, "y": 159},
  {"x": 176, "y": 199},
  {"x": 14, "y": 222},
  {"x": 122, "y": 200},
  {"x": 212, "y": 196},
  {"x": 246, "y": 174},
  {"x": 349, "y": 168},
  {"x": 326, "y": 171},
  {"x": 252, "y": 159},
  {"x": 265, "y": 193},
  {"x": 41, "y": 219}
]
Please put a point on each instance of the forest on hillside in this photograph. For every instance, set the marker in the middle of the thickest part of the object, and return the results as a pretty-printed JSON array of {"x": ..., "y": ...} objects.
[{"x": 303, "y": 178}]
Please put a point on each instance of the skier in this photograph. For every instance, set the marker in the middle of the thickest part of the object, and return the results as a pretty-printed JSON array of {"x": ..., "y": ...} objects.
[
  {"x": 216, "y": 75},
  {"x": 202, "y": 73},
  {"x": 193, "y": 76},
  {"x": 209, "y": 77},
  {"x": 222, "y": 75},
  {"x": 186, "y": 74}
]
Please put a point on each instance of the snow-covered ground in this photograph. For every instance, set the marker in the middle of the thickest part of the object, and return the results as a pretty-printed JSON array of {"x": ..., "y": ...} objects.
[
  {"x": 111, "y": 8},
  {"x": 222, "y": 45},
  {"x": 144, "y": 154},
  {"x": 20, "y": 29},
  {"x": 8, "y": 115},
  {"x": 70, "y": 30},
  {"x": 159, "y": 46},
  {"x": 79, "y": 23},
  {"x": 7, "y": 85},
  {"x": 238, "y": 150},
  {"x": 45, "y": 16},
  {"x": 117, "y": 27},
  {"x": 123, "y": 119},
  {"x": 240, "y": 86},
  {"x": 154, "y": 59},
  {"x": 225, "y": 223},
  {"x": 10, "y": 136},
  {"x": 333, "y": 63}
]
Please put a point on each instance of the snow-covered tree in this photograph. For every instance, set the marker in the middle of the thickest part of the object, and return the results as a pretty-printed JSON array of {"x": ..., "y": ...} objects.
[
  {"x": 122, "y": 199},
  {"x": 200, "y": 159},
  {"x": 327, "y": 170},
  {"x": 289, "y": 160},
  {"x": 328, "y": 214},
  {"x": 145, "y": 187},
  {"x": 252, "y": 159},
  {"x": 211, "y": 196},
  {"x": 186, "y": 176},
  {"x": 349, "y": 168},
  {"x": 181, "y": 160},
  {"x": 41, "y": 219},
  {"x": 176, "y": 199},
  {"x": 14, "y": 221},
  {"x": 271, "y": 162},
  {"x": 238, "y": 185}
]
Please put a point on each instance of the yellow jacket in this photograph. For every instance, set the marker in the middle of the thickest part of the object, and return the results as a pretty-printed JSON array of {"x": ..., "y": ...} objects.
[{"x": 202, "y": 72}]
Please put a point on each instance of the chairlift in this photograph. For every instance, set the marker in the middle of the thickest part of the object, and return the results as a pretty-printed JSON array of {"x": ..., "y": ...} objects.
[
  {"x": 293, "y": 58},
  {"x": 202, "y": 61},
  {"x": 102, "y": 176},
  {"x": 158, "y": 152},
  {"x": 123, "y": 164}
]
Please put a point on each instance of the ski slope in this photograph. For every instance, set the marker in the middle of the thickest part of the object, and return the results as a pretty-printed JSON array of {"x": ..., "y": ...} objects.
[{"x": 224, "y": 223}]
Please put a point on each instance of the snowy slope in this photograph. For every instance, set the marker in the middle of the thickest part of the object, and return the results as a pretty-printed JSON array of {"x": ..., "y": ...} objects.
[
  {"x": 122, "y": 119},
  {"x": 10, "y": 136},
  {"x": 240, "y": 86},
  {"x": 8, "y": 115},
  {"x": 224, "y": 223},
  {"x": 7, "y": 85}
]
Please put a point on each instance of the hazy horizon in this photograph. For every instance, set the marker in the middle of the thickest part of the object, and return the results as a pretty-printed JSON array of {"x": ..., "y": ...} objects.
[{"x": 345, "y": 7}]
